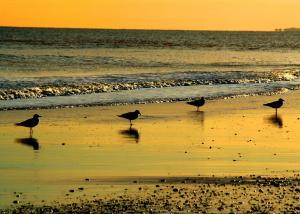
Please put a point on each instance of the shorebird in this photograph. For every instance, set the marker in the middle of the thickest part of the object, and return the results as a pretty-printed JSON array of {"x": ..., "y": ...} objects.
[
  {"x": 197, "y": 103},
  {"x": 276, "y": 104},
  {"x": 30, "y": 123},
  {"x": 131, "y": 115}
]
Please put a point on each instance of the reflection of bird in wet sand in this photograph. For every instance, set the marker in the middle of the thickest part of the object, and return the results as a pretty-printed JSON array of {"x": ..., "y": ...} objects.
[
  {"x": 30, "y": 123},
  {"x": 276, "y": 104},
  {"x": 29, "y": 142},
  {"x": 131, "y": 133},
  {"x": 198, "y": 116},
  {"x": 131, "y": 115},
  {"x": 276, "y": 120},
  {"x": 197, "y": 103}
]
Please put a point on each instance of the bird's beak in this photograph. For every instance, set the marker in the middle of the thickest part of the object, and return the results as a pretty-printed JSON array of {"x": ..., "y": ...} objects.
[{"x": 40, "y": 116}]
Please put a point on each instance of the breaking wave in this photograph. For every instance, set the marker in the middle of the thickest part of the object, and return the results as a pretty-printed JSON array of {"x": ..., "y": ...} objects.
[{"x": 66, "y": 86}]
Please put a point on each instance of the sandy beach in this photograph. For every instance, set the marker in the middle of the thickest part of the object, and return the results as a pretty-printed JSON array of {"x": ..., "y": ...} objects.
[
  {"x": 149, "y": 106},
  {"x": 232, "y": 156}
]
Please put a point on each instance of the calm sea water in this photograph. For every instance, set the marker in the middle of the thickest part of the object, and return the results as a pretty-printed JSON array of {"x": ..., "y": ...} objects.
[{"x": 52, "y": 67}]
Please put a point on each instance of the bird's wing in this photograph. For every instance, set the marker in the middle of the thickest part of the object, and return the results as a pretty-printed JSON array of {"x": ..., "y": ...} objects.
[
  {"x": 125, "y": 115},
  {"x": 191, "y": 103},
  {"x": 24, "y": 123},
  {"x": 271, "y": 104}
]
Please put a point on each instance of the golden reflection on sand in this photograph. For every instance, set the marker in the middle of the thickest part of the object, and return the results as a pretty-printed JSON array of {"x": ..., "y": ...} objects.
[
  {"x": 228, "y": 137},
  {"x": 275, "y": 120},
  {"x": 131, "y": 133},
  {"x": 31, "y": 142}
]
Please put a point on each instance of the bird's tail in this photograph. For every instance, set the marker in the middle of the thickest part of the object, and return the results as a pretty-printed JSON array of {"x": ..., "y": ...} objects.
[
  {"x": 190, "y": 103},
  {"x": 17, "y": 124}
]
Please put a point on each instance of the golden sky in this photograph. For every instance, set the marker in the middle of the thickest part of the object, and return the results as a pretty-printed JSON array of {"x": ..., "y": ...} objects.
[{"x": 152, "y": 14}]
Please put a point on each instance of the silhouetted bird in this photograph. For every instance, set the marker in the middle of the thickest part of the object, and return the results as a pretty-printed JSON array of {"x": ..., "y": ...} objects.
[
  {"x": 197, "y": 103},
  {"x": 131, "y": 115},
  {"x": 276, "y": 104},
  {"x": 30, "y": 123}
]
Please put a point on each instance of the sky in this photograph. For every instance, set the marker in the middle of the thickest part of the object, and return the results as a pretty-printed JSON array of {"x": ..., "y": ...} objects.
[{"x": 152, "y": 14}]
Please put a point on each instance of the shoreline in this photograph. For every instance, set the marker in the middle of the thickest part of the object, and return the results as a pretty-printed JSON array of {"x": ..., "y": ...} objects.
[
  {"x": 68, "y": 89},
  {"x": 81, "y": 100}
]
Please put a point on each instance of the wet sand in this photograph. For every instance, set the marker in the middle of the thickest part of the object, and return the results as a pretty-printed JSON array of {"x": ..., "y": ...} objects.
[
  {"x": 228, "y": 138},
  {"x": 254, "y": 194}
]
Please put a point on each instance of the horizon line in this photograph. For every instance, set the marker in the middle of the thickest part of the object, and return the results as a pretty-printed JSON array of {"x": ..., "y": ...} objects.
[{"x": 150, "y": 29}]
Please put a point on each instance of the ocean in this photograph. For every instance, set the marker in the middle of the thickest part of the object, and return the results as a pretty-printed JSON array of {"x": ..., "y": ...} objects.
[{"x": 48, "y": 67}]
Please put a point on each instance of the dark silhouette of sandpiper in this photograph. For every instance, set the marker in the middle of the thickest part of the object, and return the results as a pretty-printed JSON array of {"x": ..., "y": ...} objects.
[
  {"x": 197, "y": 103},
  {"x": 276, "y": 104},
  {"x": 131, "y": 115},
  {"x": 30, "y": 123}
]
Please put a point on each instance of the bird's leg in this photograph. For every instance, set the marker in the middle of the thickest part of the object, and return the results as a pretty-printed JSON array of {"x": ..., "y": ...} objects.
[
  {"x": 30, "y": 132},
  {"x": 276, "y": 112},
  {"x": 197, "y": 108}
]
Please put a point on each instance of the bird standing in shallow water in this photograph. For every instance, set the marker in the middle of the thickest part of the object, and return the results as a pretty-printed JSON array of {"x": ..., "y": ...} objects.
[
  {"x": 131, "y": 115},
  {"x": 197, "y": 103},
  {"x": 30, "y": 123},
  {"x": 276, "y": 104}
]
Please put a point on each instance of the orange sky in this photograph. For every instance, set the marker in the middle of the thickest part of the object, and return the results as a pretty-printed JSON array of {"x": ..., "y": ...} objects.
[{"x": 152, "y": 14}]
